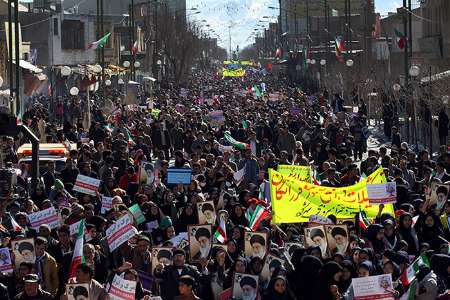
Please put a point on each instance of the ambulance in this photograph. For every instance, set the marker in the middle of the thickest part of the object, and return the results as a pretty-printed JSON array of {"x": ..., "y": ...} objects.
[{"x": 56, "y": 152}]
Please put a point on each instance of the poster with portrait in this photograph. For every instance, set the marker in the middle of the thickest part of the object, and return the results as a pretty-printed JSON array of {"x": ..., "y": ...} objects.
[
  {"x": 271, "y": 263},
  {"x": 439, "y": 194},
  {"x": 206, "y": 212},
  {"x": 200, "y": 241},
  {"x": 161, "y": 255},
  {"x": 5, "y": 261},
  {"x": 315, "y": 237},
  {"x": 373, "y": 287},
  {"x": 337, "y": 238},
  {"x": 255, "y": 244},
  {"x": 23, "y": 250},
  {"x": 77, "y": 291},
  {"x": 245, "y": 286}
]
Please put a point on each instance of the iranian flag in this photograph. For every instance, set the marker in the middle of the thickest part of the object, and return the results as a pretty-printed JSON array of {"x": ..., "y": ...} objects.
[
  {"x": 410, "y": 273},
  {"x": 339, "y": 47},
  {"x": 221, "y": 232},
  {"x": 306, "y": 55},
  {"x": 411, "y": 292},
  {"x": 401, "y": 39},
  {"x": 259, "y": 214},
  {"x": 16, "y": 227},
  {"x": 78, "y": 257},
  {"x": 100, "y": 43},
  {"x": 134, "y": 49},
  {"x": 363, "y": 221},
  {"x": 234, "y": 143},
  {"x": 257, "y": 91}
]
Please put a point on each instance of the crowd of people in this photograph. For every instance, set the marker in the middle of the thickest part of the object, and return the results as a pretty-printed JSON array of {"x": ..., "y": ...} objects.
[{"x": 179, "y": 129}]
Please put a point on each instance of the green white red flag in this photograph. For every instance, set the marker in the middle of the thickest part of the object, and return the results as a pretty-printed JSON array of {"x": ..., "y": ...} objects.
[
  {"x": 259, "y": 214},
  {"x": 401, "y": 39},
  {"x": 221, "y": 231},
  {"x": 411, "y": 292},
  {"x": 410, "y": 273},
  {"x": 100, "y": 43},
  {"x": 78, "y": 257},
  {"x": 234, "y": 143}
]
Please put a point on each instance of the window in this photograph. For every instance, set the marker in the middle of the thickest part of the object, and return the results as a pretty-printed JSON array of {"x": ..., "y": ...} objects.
[
  {"x": 55, "y": 26},
  {"x": 72, "y": 35}
]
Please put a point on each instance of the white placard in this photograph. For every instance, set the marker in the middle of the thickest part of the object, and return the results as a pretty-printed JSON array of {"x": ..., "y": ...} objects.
[
  {"x": 106, "y": 204},
  {"x": 382, "y": 193},
  {"x": 122, "y": 289},
  {"x": 86, "y": 185},
  {"x": 373, "y": 287},
  {"x": 120, "y": 232},
  {"x": 47, "y": 216}
]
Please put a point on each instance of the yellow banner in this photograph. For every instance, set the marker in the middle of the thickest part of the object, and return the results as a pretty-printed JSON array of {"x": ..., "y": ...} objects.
[
  {"x": 300, "y": 173},
  {"x": 233, "y": 73},
  {"x": 295, "y": 201}
]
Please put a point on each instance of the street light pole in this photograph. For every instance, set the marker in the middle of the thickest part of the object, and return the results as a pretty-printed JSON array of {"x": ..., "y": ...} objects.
[{"x": 17, "y": 51}]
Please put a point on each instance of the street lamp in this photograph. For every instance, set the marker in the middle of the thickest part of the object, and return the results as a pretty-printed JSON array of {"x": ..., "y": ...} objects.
[
  {"x": 120, "y": 81},
  {"x": 414, "y": 71},
  {"x": 396, "y": 87},
  {"x": 137, "y": 64},
  {"x": 323, "y": 62},
  {"x": 313, "y": 61},
  {"x": 66, "y": 71},
  {"x": 126, "y": 64},
  {"x": 349, "y": 63},
  {"x": 107, "y": 82}
]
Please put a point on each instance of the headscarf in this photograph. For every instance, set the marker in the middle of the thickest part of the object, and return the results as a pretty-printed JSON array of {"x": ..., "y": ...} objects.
[{"x": 409, "y": 235}]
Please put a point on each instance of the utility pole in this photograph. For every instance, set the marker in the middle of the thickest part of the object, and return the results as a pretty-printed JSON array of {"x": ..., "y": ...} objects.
[
  {"x": 17, "y": 52},
  {"x": 405, "y": 31},
  {"x": 155, "y": 45},
  {"x": 307, "y": 24},
  {"x": 10, "y": 49},
  {"x": 132, "y": 39},
  {"x": 102, "y": 33}
]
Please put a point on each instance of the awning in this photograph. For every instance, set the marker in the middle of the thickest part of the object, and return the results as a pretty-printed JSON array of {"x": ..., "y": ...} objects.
[
  {"x": 28, "y": 66},
  {"x": 435, "y": 77}
]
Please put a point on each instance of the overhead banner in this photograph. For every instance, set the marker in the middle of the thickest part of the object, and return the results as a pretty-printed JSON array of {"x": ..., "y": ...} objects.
[
  {"x": 295, "y": 201},
  {"x": 233, "y": 72},
  {"x": 300, "y": 173}
]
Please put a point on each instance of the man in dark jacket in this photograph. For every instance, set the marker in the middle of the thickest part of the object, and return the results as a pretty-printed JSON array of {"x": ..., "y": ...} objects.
[
  {"x": 169, "y": 275},
  {"x": 32, "y": 289}
]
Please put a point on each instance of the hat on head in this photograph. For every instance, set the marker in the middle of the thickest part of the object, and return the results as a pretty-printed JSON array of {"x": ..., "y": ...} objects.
[
  {"x": 248, "y": 281},
  {"x": 316, "y": 232},
  {"x": 257, "y": 239},
  {"x": 59, "y": 184},
  {"x": 338, "y": 231},
  {"x": 187, "y": 280},
  {"x": 165, "y": 222},
  {"x": 179, "y": 252},
  {"x": 31, "y": 278},
  {"x": 202, "y": 232}
]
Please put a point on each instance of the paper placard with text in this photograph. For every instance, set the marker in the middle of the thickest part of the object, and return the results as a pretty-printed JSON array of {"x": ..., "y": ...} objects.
[
  {"x": 120, "y": 232},
  {"x": 382, "y": 193},
  {"x": 373, "y": 287}
]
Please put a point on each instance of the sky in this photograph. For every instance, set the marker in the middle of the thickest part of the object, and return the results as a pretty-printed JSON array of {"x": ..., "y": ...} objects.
[{"x": 240, "y": 17}]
